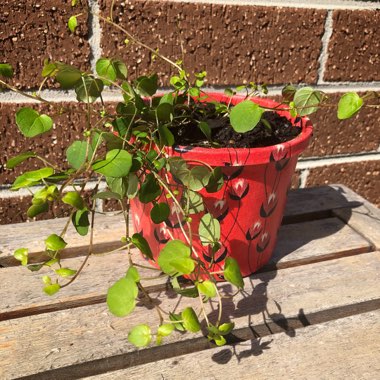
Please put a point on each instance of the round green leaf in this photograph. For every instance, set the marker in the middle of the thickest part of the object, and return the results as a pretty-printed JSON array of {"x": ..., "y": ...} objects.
[
  {"x": 121, "y": 297},
  {"x": 175, "y": 259},
  {"x": 164, "y": 112},
  {"x": 55, "y": 243},
  {"x": 68, "y": 76},
  {"x": 146, "y": 86},
  {"x": 51, "y": 289},
  {"x": 31, "y": 178},
  {"x": 139, "y": 241},
  {"x": 215, "y": 181},
  {"x": 65, "y": 272},
  {"x": 160, "y": 212},
  {"x": 37, "y": 209},
  {"x": 89, "y": 89},
  {"x": 226, "y": 328},
  {"x": 166, "y": 329},
  {"x": 118, "y": 185},
  {"x": 140, "y": 335},
  {"x": 31, "y": 123},
  {"x": 307, "y": 100},
  {"x": 107, "y": 195},
  {"x": 133, "y": 185},
  {"x": 116, "y": 164},
  {"x": 149, "y": 190},
  {"x": 21, "y": 255},
  {"x": 6, "y": 70},
  {"x": 166, "y": 136},
  {"x": 74, "y": 199},
  {"x": 81, "y": 222},
  {"x": 198, "y": 178},
  {"x": 76, "y": 153},
  {"x": 209, "y": 229},
  {"x": 232, "y": 272},
  {"x": 348, "y": 105},
  {"x": 14, "y": 161},
  {"x": 190, "y": 320},
  {"x": 72, "y": 23},
  {"x": 133, "y": 274},
  {"x": 207, "y": 288},
  {"x": 111, "y": 69},
  {"x": 245, "y": 116}
]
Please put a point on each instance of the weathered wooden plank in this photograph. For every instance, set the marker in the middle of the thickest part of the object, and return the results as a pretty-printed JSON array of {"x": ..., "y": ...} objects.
[
  {"x": 347, "y": 348},
  {"x": 303, "y": 204},
  {"x": 303, "y": 243},
  {"x": 365, "y": 219},
  {"x": 108, "y": 231},
  {"x": 317, "y": 202},
  {"x": 91, "y": 341},
  {"x": 298, "y": 244}
]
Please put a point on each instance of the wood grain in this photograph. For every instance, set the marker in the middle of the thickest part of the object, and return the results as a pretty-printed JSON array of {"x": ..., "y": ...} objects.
[
  {"x": 90, "y": 341},
  {"x": 346, "y": 348},
  {"x": 298, "y": 244}
]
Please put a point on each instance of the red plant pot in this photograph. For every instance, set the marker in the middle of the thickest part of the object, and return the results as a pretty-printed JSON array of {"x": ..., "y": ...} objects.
[{"x": 249, "y": 206}]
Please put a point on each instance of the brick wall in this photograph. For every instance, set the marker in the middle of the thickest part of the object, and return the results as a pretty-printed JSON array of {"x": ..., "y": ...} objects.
[{"x": 333, "y": 47}]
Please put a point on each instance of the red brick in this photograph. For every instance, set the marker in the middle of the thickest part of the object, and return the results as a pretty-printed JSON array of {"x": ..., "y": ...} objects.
[
  {"x": 234, "y": 44},
  {"x": 354, "y": 47},
  {"x": 33, "y": 31},
  {"x": 362, "y": 177}
]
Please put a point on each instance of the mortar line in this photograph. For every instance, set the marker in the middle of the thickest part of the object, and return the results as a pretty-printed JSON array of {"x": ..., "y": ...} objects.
[
  {"x": 95, "y": 37},
  {"x": 324, "y": 50},
  {"x": 303, "y": 178},
  {"x": 313, "y": 4},
  {"x": 58, "y": 96}
]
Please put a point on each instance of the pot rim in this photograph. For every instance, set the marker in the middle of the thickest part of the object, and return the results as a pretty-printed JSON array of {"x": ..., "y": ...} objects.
[{"x": 248, "y": 156}]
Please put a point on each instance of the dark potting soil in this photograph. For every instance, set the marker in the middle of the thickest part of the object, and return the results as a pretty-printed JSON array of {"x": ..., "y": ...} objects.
[{"x": 224, "y": 136}]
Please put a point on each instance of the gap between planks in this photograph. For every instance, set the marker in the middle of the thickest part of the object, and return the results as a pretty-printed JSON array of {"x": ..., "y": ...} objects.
[{"x": 311, "y": 296}]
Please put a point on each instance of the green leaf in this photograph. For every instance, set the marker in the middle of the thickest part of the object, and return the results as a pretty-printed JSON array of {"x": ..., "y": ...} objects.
[
  {"x": 21, "y": 255},
  {"x": 167, "y": 98},
  {"x": 215, "y": 181},
  {"x": 139, "y": 241},
  {"x": 198, "y": 178},
  {"x": 31, "y": 123},
  {"x": 111, "y": 69},
  {"x": 232, "y": 273},
  {"x": 51, "y": 289},
  {"x": 133, "y": 274},
  {"x": 118, "y": 185},
  {"x": 187, "y": 292},
  {"x": 89, "y": 89},
  {"x": 76, "y": 153},
  {"x": 164, "y": 112},
  {"x": 307, "y": 100},
  {"x": 219, "y": 340},
  {"x": 348, "y": 105},
  {"x": 140, "y": 335},
  {"x": 193, "y": 201},
  {"x": 72, "y": 23},
  {"x": 146, "y": 86},
  {"x": 149, "y": 190},
  {"x": 209, "y": 229},
  {"x": 68, "y": 76},
  {"x": 288, "y": 92},
  {"x": 54, "y": 243},
  {"x": 50, "y": 69},
  {"x": 207, "y": 288},
  {"x": 175, "y": 259},
  {"x": 107, "y": 195},
  {"x": 245, "y": 116},
  {"x": 37, "y": 209},
  {"x": 133, "y": 185},
  {"x": 112, "y": 141},
  {"x": 166, "y": 329},
  {"x": 6, "y": 70},
  {"x": 65, "y": 272},
  {"x": 190, "y": 320},
  {"x": 31, "y": 178},
  {"x": 166, "y": 136},
  {"x": 116, "y": 164},
  {"x": 81, "y": 222},
  {"x": 14, "y": 161},
  {"x": 226, "y": 328},
  {"x": 121, "y": 297},
  {"x": 177, "y": 317},
  {"x": 206, "y": 130},
  {"x": 160, "y": 212},
  {"x": 74, "y": 199}
]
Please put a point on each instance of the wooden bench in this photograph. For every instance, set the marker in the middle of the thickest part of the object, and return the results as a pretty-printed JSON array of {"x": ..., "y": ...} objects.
[{"x": 312, "y": 313}]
